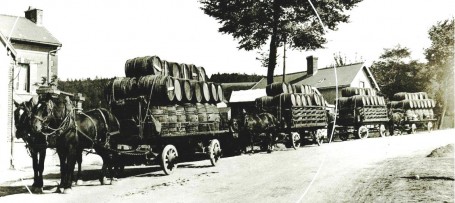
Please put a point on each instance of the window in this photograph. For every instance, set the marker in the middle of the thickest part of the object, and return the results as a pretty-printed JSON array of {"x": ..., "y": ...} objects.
[
  {"x": 22, "y": 78},
  {"x": 362, "y": 84}
]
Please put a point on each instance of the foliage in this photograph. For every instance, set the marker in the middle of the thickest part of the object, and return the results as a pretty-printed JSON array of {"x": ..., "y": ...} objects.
[
  {"x": 234, "y": 78},
  {"x": 92, "y": 90},
  {"x": 277, "y": 22},
  {"x": 440, "y": 68},
  {"x": 397, "y": 72}
]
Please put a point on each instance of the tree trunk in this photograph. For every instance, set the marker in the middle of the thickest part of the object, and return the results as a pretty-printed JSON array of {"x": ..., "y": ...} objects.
[{"x": 273, "y": 43}]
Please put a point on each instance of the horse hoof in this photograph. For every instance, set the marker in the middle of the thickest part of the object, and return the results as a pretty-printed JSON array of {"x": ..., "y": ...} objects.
[
  {"x": 67, "y": 191},
  {"x": 103, "y": 180},
  {"x": 59, "y": 190},
  {"x": 79, "y": 182},
  {"x": 37, "y": 190}
]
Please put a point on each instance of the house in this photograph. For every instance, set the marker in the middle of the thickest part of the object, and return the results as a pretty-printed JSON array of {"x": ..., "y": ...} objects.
[
  {"x": 352, "y": 75},
  {"x": 28, "y": 53},
  {"x": 7, "y": 61},
  {"x": 36, "y": 49}
]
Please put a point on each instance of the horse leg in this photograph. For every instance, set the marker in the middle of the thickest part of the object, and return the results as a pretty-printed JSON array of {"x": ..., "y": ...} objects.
[
  {"x": 62, "y": 159},
  {"x": 79, "y": 163},
  {"x": 41, "y": 157},
  {"x": 269, "y": 143},
  {"x": 71, "y": 158}
]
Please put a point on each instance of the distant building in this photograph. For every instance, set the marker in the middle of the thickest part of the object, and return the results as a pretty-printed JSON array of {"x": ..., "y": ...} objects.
[
  {"x": 7, "y": 61},
  {"x": 28, "y": 53},
  {"x": 36, "y": 49},
  {"x": 352, "y": 75}
]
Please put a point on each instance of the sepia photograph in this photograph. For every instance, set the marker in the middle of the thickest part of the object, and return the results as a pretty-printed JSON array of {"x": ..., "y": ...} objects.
[{"x": 227, "y": 101}]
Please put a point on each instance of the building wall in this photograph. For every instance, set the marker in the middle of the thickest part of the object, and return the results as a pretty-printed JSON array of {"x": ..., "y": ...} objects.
[
  {"x": 361, "y": 77},
  {"x": 6, "y": 63}
]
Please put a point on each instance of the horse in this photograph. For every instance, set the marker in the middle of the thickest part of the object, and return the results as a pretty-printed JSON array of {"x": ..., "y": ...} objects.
[
  {"x": 262, "y": 126},
  {"x": 35, "y": 144},
  {"x": 70, "y": 133},
  {"x": 395, "y": 121}
]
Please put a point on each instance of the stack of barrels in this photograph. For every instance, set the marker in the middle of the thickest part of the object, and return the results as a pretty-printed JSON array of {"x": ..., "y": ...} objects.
[
  {"x": 178, "y": 94},
  {"x": 416, "y": 106},
  {"x": 289, "y": 95},
  {"x": 296, "y": 105},
  {"x": 358, "y": 97},
  {"x": 363, "y": 102}
]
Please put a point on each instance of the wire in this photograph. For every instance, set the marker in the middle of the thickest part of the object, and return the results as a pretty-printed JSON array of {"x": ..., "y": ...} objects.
[{"x": 336, "y": 109}]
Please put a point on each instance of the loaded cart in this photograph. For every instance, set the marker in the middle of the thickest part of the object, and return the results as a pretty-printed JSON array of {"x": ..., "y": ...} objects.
[
  {"x": 165, "y": 118},
  {"x": 300, "y": 112},
  {"x": 359, "y": 111},
  {"x": 411, "y": 111}
]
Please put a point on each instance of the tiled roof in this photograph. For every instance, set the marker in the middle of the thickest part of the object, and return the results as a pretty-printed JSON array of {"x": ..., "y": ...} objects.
[
  {"x": 324, "y": 78},
  {"x": 26, "y": 30}
]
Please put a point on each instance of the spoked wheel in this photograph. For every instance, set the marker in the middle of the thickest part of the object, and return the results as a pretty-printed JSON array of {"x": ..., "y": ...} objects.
[
  {"x": 430, "y": 126},
  {"x": 319, "y": 136},
  {"x": 295, "y": 140},
  {"x": 362, "y": 132},
  {"x": 169, "y": 159},
  {"x": 382, "y": 130},
  {"x": 413, "y": 128},
  {"x": 214, "y": 151}
]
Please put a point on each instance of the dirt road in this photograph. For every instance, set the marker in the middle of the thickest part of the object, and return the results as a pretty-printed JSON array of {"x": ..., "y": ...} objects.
[{"x": 335, "y": 172}]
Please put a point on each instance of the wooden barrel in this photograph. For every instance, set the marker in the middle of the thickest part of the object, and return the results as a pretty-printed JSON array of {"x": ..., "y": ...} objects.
[
  {"x": 321, "y": 98},
  {"x": 316, "y": 100},
  {"x": 197, "y": 91},
  {"x": 174, "y": 70},
  {"x": 360, "y": 100},
  {"x": 395, "y": 104},
  {"x": 191, "y": 113},
  {"x": 220, "y": 92},
  {"x": 161, "y": 87},
  {"x": 298, "y": 99},
  {"x": 285, "y": 100},
  {"x": 177, "y": 90},
  {"x": 344, "y": 102},
  {"x": 202, "y": 75},
  {"x": 309, "y": 99},
  {"x": 193, "y": 72},
  {"x": 160, "y": 113},
  {"x": 187, "y": 91},
  {"x": 141, "y": 66},
  {"x": 264, "y": 101},
  {"x": 213, "y": 92},
  {"x": 205, "y": 91},
  {"x": 304, "y": 100},
  {"x": 351, "y": 91},
  {"x": 275, "y": 89},
  {"x": 180, "y": 112},
  {"x": 184, "y": 71},
  {"x": 124, "y": 88},
  {"x": 164, "y": 68},
  {"x": 289, "y": 88}
]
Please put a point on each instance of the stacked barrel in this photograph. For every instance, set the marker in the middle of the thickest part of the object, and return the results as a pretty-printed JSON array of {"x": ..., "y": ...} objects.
[
  {"x": 415, "y": 106},
  {"x": 369, "y": 106},
  {"x": 177, "y": 95},
  {"x": 298, "y": 105}
]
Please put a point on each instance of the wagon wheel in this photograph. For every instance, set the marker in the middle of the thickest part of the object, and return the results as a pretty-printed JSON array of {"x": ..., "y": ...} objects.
[
  {"x": 214, "y": 151},
  {"x": 413, "y": 128},
  {"x": 319, "y": 137},
  {"x": 169, "y": 159},
  {"x": 382, "y": 130},
  {"x": 430, "y": 126},
  {"x": 343, "y": 135},
  {"x": 362, "y": 132},
  {"x": 295, "y": 140}
]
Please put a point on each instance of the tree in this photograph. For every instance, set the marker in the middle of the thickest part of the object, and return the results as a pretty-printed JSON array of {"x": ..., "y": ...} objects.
[
  {"x": 397, "y": 72},
  {"x": 440, "y": 56},
  {"x": 279, "y": 22}
]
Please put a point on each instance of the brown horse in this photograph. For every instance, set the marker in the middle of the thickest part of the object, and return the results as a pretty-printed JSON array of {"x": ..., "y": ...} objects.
[
  {"x": 70, "y": 133},
  {"x": 260, "y": 127},
  {"x": 35, "y": 143},
  {"x": 395, "y": 122}
]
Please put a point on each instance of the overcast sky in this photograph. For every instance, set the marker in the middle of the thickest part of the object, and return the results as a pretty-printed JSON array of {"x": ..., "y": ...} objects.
[{"x": 99, "y": 36}]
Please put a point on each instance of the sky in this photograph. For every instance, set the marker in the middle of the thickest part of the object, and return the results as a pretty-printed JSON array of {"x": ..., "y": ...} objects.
[{"x": 99, "y": 36}]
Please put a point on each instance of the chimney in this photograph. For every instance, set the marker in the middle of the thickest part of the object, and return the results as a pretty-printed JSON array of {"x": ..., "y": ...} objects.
[
  {"x": 35, "y": 15},
  {"x": 312, "y": 65}
]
